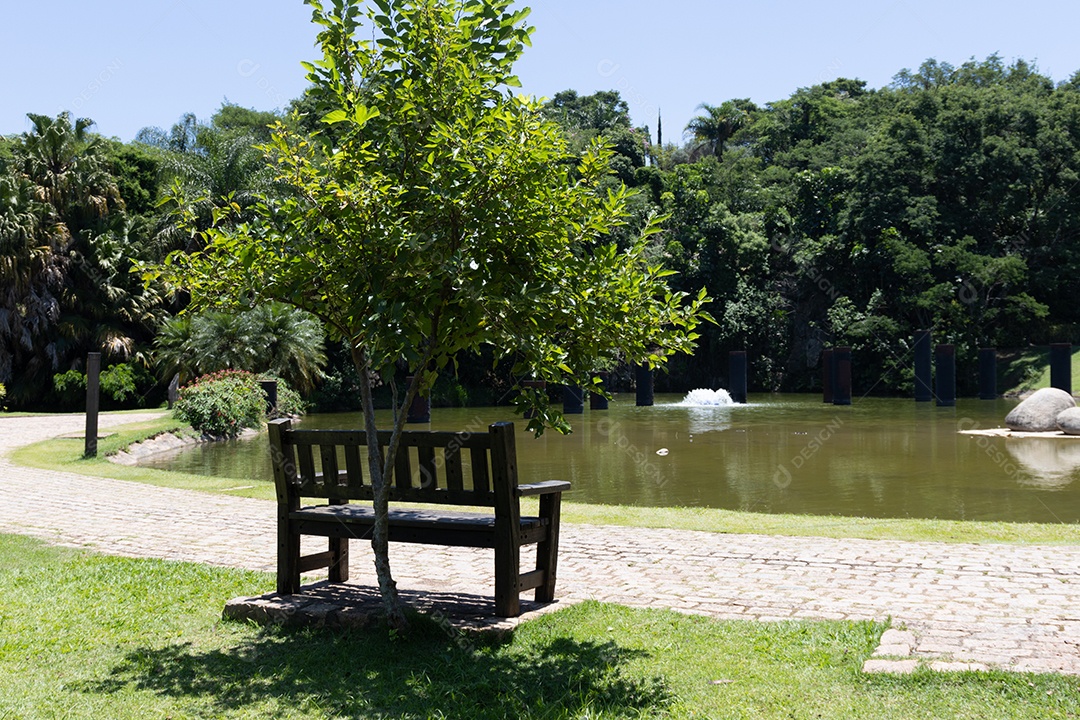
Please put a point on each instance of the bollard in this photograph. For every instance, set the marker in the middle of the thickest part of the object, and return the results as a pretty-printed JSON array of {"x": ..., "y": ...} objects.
[
  {"x": 597, "y": 401},
  {"x": 987, "y": 374},
  {"x": 737, "y": 376},
  {"x": 269, "y": 388},
  {"x": 419, "y": 408},
  {"x": 842, "y": 376},
  {"x": 923, "y": 367},
  {"x": 945, "y": 360},
  {"x": 93, "y": 403},
  {"x": 644, "y": 375},
  {"x": 573, "y": 400},
  {"x": 1061, "y": 367},
  {"x": 827, "y": 373}
]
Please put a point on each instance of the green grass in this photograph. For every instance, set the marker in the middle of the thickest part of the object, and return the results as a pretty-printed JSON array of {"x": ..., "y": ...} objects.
[
  {"x": 90, "y": 636},
  {"x": 1029, "y": 369},
  {"x": 66, "y": 455}
]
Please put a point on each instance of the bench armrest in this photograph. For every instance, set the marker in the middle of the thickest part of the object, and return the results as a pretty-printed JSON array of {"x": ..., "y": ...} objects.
[{"x": 542, "y": 488}]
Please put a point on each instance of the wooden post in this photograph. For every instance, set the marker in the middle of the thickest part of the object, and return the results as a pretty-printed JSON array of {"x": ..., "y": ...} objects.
[
  {"x": 93, "y": 403},
  {"x": 842, "y": 381},
  {"x": 540, "y": 385},
  {"x": 644, "y": 376},
  {"x": 269, "y": 388},
  {"x": 573, "y": 400},
  {"x": 419, "y": 408},
  {"x": 946, "y": 375},
  {"x": 599, "y": 402},
  {"x": 1061, "y": 367},
  {"x": 987, "y": 374},
  {"x": 737, "y": 376},
  {"x": 923, "y": 367},
  {"x": 828, "y": 370}
]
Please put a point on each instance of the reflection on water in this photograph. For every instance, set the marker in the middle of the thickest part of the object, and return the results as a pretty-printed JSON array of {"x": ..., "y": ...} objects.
[
  {"x": 1049, "y": 462},
  {"x": 776, "y": 454}
]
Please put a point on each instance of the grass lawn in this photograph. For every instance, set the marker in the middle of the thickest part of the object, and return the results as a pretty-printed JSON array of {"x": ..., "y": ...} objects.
[
  {"x": 91, "y": 636},
  {"x": 66, "y": 455},
  {"x": 1029, "y": 369}
]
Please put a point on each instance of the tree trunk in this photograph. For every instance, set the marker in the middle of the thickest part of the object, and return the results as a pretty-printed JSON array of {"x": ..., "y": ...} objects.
[{"x": 381, "y": 476}]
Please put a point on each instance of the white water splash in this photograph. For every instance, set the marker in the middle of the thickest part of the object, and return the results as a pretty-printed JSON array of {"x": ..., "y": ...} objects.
[{"x": 703, "y": 397}]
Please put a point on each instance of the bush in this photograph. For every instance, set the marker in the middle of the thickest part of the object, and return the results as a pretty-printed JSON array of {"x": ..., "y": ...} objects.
[
  {"x": 119, "y": 386},
  {"x": 3, "y": 394},
  {"x": 222, "y": 404}
]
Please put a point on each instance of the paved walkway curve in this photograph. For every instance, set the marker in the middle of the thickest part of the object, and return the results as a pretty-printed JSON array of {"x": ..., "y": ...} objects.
[{"x": 1016, "y": 607}]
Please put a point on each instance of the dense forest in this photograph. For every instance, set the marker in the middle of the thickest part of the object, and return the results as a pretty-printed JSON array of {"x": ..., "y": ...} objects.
[{"x": 840, "y": 215}]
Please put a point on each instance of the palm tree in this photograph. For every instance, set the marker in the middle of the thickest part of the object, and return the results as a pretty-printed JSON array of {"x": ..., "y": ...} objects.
[
  {"x": 272, "y": 338},
  {"x": 66, "y": 258},
  {"x": 713, "y": 129}
]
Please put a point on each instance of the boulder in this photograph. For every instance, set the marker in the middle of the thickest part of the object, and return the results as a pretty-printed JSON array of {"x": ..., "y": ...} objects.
[
  {"x": 1068, "y": 421},
  {"x": 1039, "y": 412}
]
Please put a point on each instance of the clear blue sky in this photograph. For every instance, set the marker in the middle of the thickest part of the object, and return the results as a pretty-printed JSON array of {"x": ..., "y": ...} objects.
[{"x": 127, "y": 64}]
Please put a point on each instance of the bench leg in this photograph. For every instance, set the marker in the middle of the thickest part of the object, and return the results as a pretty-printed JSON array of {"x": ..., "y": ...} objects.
[
  {"x": 507, "y": 570},
  {"x": 288, "y": 560},
  {"x": 339, "y": 560},
  {"x": 547, "y": 551}
]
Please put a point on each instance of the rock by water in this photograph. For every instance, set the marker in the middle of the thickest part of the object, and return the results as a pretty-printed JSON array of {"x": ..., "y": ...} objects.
[
  {"x": 1068, "y": 421},
  {"x": 1039, "y": 412}
]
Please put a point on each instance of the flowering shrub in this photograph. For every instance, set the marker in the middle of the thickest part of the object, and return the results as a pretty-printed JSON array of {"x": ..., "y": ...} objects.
[{"x": 222, "y": 403}]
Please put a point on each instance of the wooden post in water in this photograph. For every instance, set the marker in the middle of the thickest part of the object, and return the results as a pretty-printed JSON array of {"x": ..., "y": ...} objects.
[
  {"x": 644, "y": 375},
  {"x": 269, "y": 388},
  {"x": 573, "y": 400},
  {"x": 987, "y": 374},
  {"x": 842, "y": 376},
  {"x": 923, "y": 367},
  {"x": 737, "y": 371},
  {"x": 946, "y": 375},
  {"x": 1061, "y": 367},
  {"x": 93, "y": 403},
  {"x": 828, "y": 371},
  {"x": 596, "y": 401},
  {"x": 540, "y": 386},
  {"x": 420, "y": 407}
]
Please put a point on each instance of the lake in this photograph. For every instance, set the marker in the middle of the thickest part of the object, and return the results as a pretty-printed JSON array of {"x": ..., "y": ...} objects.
[{"x": 884, "y": 458}]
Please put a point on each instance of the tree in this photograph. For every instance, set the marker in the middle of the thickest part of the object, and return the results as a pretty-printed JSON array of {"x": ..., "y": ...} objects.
[
  {"x": 67, "y": 247},
  {"x": 719, "y": 123},
  {"x": 442, "y": 221}
]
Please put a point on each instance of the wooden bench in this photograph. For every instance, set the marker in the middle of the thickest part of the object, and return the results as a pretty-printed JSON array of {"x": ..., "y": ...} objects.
[{"x": 438, "y": 468}]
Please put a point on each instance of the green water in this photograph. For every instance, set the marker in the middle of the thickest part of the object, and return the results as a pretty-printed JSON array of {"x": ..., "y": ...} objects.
[{"x": 778, "y": 454}]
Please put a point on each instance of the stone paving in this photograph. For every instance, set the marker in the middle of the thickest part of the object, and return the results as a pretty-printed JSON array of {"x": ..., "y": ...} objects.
[{"x": 954, "y": 606}]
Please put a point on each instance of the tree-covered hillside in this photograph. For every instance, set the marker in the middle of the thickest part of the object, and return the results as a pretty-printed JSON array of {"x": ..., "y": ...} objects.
[{"x": 840, "y": 215}]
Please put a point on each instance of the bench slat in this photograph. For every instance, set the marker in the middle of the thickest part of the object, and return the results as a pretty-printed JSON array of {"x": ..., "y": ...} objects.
[
  {"x": 354, "y": 467},
  {"x": 480, "y": 481},
  {"x": 429, "y": 477},
  {"x": 455, "y": 481},
  {"x": 308, "y": 477},
  {"x": 329, "y": 462},
  {"x": 403, "y": 469}
]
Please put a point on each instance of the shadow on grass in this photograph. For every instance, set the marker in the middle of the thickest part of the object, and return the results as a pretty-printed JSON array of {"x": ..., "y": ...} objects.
[{"x": 430, "y": 673}]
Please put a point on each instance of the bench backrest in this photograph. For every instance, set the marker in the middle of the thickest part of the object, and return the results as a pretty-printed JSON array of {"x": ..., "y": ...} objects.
[{"x": 455, "y": 468}]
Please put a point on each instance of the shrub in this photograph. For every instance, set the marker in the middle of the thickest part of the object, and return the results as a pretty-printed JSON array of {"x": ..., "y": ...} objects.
[
  {"x": 119, "y": 386},
  {"x": 3, "y": 394},
  {"x": 222, "y": 404}
]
